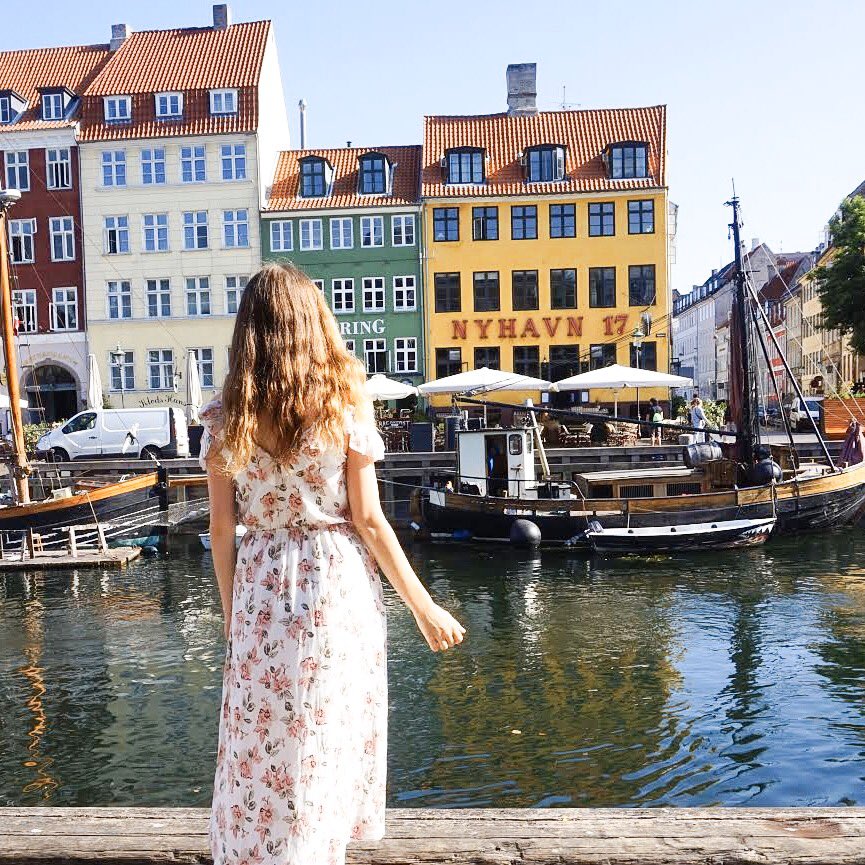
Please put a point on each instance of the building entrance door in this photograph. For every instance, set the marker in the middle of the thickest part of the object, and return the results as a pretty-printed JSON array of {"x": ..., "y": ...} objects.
[{"x": 54, "y": 389}]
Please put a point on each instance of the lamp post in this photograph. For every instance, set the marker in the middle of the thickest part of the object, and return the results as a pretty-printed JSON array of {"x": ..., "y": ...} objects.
[
  {"x": 637, "y": 341},
  {"x": 117, "y": 360}
]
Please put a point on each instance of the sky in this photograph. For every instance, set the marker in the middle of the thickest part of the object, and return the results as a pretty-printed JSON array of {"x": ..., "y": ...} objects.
[{"x": 766, "y": 93}]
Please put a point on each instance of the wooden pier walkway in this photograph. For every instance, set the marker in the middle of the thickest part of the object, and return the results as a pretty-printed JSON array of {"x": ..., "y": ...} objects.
[{"x": 483, "y": 836}]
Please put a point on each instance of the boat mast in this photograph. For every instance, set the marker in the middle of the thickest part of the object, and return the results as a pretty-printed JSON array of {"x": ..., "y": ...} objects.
[{"x": 21, "y": 468}]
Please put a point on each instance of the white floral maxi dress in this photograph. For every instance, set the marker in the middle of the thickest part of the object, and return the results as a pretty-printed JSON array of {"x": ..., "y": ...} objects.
[{"x": 301, "y": 761}]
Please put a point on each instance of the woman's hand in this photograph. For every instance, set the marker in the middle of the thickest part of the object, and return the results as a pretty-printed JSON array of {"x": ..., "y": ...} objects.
[{"x": 440, "y": 629}]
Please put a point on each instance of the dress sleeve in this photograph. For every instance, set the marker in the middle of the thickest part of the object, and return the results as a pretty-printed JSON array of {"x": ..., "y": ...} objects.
[
  {"x": 363, "y": 436},
  {"x": 212, "y": 420}
]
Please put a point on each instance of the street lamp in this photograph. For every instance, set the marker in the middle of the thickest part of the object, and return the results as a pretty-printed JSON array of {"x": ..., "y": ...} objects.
[
  {"x": 117, "y": 359},
  {"x": 637, "y": 337}
]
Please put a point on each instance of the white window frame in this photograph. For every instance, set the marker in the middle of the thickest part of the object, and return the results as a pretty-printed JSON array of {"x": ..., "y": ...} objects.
[
  {"x": 201, "y": 363},
  {"x": 337, "y": 231},
  {"x": 17, "y": 167},
  {"x": 118, "y": 109},
  {"x": 18, "y": 228},
  {"x": 168, "y": 98},
  {"x": 58, "y": 168},
  {"x": 192, "y": 221},
  {"x": 400, "y": 291},
  {"x": 219, "y": 96},
  {"x": 24, "y": 299},
  {"x": 319, "y": 284},
  {"x": 121, "y": 227},
  {"x": 280, "y": 231},
  {"x": 157, "y": 230},
  {"x": 371, "y": 222},
  {"x": 198, "y": 294},
  {"x": 164, "y": 365},
  {"x": 195, "y": 156},
  {"x": 310, "y": 225},
  {"x": 120, "y": 291},
  {"x": 235, "y": 228},
  {"x": 349, "y": 345},
  {"x": 234, "y": 286},
  {"x": 375, "y": 286},
  {"x": 55, "y": 101},
  {"x": 65, "y": 298},
  {"x": 113, "y": 168},
  {"x": 402, "y": 220},
  {"x": 402, "y": 351},
  {"x": 379, "y": 345},
  {"x": 158, "y": 289},
  {"x": 232, "y": 159},
  {"x": 150, "y": 159},
  {"x": 5, "y": 110},
  {"x": 344, "y": 290},
  {"x": 125, "y": 371},
  {"x": 62, "y": 227}
]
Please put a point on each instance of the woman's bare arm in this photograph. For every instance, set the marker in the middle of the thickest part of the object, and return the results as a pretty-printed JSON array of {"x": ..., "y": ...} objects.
[
  {"x": 440, "y": 629},
  {"x": 222, "y": 540}
]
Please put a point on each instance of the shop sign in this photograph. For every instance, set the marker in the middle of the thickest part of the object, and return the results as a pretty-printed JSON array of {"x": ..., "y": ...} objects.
[
  {"x": 550, "y": 326},
  {"x": 358, "y": 328}
]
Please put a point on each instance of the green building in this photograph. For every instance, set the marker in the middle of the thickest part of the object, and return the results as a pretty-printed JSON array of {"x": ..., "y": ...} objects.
[{"x": 350, "y": 219}]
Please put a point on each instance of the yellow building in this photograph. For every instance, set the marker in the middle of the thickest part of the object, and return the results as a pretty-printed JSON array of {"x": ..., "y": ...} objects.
[{"x": 547, "y": 239}]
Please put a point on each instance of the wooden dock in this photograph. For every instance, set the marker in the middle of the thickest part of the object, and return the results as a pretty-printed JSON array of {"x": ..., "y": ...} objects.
[
  {"x": 480, "y": 836},
  {"x": 45, "y": 560}
]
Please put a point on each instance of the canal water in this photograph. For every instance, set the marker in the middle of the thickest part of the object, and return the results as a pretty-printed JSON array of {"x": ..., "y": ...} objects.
[{"x": 722, "y": 679}]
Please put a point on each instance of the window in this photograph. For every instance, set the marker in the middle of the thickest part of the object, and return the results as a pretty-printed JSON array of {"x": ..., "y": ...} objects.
[
  {"x": 447, "y": 292},
  {"x": 281, "y": 238},
  {"x": 449, "y": 361},
  {"x": 402, "y": 230},
  {"x": 485, "y": 223},
  {"x": 646, "y": 357},
  {"x": 198, "y": 295},
  {"x": 342, "y": 295},
  {"x": 545, "y": 164},
  {"x": 122, "y": 366},
  {"x": 563, "y": 289},
  {"x": 563, "y": 220},
  {"x": 527, "y": 360},
  {"x": 233, "y": 158},
  {"x": 155, "y": 232},
  {"x": 404, "y": 294},
  {"x": 318, "y": 283},
  {"x": 405, "y": 354},
  {"x": 310, "y": 234},
  {"x": 375, "y": 355},
  {"x": 62, "y": 238},
  {"x": 118, "y": 108},
  {"x": 160, "y": 365},
  {"x": 446, "y": 223},
  {"x": 641, "y": 217},
  {"x": 159, "y": 298},
  {"x": 235, "y": 228},
  {"x": 17, "y": 170},
  {"x": 64, "y": 309},
  {"x": 52, "y": 106},
  {"x": 223, "y": 102},
  {"x": 341, "y": 232},
  {"x": 641, "y": 285},
  {"x": 204, "y": 362},
  {"x": 601, "y": 355},
  {"x": 628, "y": 160},
  {"x": 524, "y": 222},
  {"x": 195, "y": 229},
  {"x": 153, "y": 165},
  {"x": 602, "y": 286},
  {"x": 169, "y": 105},
  {"x": 487, "y": 296},
  {"x": 313, "y": 183},
  {"x": 21, "y": 233},
  {"x": 114, "y": 168},
  {"x": 373, "y": 175},
  {"x": 373, "y": 294},
  {"x": 193, "y": 164},
  {"x": 564, "y": 361},
  {"x": 372, "y": 231},
  {"x": 119, "y": 298},
  {"x": 25, "y": 311},
  {"x": 602, "y": 219},
  {"x": 234, "y": 286},
  {"x": 349, "y": 345},
  {"x": 525, "y": 289},
  {"x": 5, "y": 110},
  {"x": 116, "y": 235},
  {"x": 465, "y": 166},
  {"x": 59, "y": 170},
  {"x": 488, "y": 356}
]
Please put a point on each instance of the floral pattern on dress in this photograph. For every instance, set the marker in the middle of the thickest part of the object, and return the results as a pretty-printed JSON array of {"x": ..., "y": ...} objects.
[{"x": 301, "y": 759}]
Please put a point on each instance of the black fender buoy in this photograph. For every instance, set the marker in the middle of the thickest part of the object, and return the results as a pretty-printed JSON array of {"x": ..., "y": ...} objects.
[
  {"x": 525, "y": 533},
  {"x": 149, "y": 550}
]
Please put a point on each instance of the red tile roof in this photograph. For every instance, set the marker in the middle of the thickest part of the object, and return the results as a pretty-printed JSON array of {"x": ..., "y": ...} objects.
[
  {"x": 25, "y": 72},
  {"x": 285, "y": 194},
  {"x": 585, "y": 134}
]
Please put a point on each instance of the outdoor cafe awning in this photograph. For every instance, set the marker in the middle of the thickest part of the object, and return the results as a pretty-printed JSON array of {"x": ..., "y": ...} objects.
[
  {"x": 617, "y": 377},
  {"x": 484, "y": 380},
  {"x": 382, "y": 387}
]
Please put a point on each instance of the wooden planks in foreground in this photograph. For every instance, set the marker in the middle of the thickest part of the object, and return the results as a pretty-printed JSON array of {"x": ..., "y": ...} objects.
[{"x": 484, "y": 836}]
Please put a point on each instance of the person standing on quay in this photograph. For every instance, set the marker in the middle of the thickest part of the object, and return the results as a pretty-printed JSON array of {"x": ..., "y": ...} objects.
[
  {"x": 698, "y": 418},
  {"x": 289, "y": 448}
]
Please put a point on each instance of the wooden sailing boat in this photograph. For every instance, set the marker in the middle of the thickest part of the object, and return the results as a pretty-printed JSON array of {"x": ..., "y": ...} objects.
[
  {"x": 486, "y": 502},
  {"x": 126, "y": 509}
]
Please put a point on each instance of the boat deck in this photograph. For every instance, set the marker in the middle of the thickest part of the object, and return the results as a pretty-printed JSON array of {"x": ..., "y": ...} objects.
[{"x": 47, "y": 560}]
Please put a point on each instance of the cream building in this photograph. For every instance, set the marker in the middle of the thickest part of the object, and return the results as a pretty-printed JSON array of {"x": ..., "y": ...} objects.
[{"x": 179, "y": 135}]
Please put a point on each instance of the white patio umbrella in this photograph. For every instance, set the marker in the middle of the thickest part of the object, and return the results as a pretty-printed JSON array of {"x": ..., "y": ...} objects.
[
  {"x": 381, "y": 387},
  {"x": 194, "y": 398},
  {"x": 484, "y": 380},
  {"x": 94, "y": 383}
]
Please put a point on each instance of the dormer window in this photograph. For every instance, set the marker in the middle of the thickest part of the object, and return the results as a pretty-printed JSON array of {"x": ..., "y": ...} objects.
[
  {"x": 223, "y": 102},
  {"x": 315, "y": 174},
  {"x": 169, "y": 105},
  {"x": 628, "y": 160},
  {"x": 53, "y": 105},
  {"x": 11, "y": 105},
  {"x": 374, "y": 170},
  {"x": 118, "y": 109},
  {"x": 545, "y": 164},
  {"x": 5, "y": 110},
  {"x": 465, "y": 165}
]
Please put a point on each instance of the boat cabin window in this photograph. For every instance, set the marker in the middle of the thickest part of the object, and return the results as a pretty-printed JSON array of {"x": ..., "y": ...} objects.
[
  {"x": 685, "y": 489},
  {"x": 637, "y": 491},
  {"x": 601, "y": 491},
  {"x": 81, "y": 423},
  {"x": 515, "y": 445}
]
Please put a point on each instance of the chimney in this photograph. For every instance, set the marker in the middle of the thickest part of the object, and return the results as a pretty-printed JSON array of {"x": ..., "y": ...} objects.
[
  {"x": 302, "y": 106},
  {"x": 755, "y": 242},
  {"x": 522, "y": 88},
  {"x": 221, "y": 16},
  {"x": 119, "y": 34}
]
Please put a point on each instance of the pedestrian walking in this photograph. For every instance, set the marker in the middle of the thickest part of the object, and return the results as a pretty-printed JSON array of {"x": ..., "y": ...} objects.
[{"x": 655, "y": 416}]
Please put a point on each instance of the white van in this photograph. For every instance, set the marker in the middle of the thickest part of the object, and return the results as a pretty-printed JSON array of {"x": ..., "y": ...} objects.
[
  {"x": 148, "y": 433},
  {"x": 799, "y": 414}
]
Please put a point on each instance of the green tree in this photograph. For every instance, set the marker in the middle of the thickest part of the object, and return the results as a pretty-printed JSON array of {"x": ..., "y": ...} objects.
[{"x": 841, "y": 280}]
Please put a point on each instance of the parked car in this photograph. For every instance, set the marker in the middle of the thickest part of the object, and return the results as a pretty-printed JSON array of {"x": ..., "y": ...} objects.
[
  {"x": 148, "y": 433},
  {"x": 799, "y": 413}
]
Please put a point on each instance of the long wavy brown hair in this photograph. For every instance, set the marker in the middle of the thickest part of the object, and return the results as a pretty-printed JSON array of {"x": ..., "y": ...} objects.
[{"x": 288, "y": 365}]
